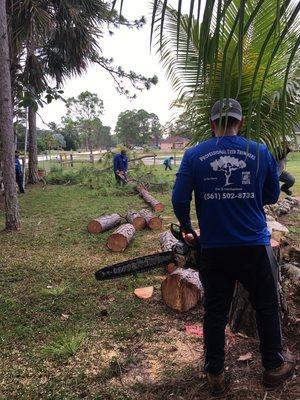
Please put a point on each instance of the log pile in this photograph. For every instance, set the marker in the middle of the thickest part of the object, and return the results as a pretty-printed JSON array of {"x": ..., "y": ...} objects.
[
  {"x": 136, "y": 219},
  {"x": 120, "y": 239},
  {"x": 155, "y": 204},
  {"x": 182, "y": 289},
  {"x": 104, "y": 223},
  {"x": 153, "y": 222}
]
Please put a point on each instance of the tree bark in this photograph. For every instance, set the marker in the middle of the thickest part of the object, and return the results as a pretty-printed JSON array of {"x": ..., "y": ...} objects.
[
  {"x": 182, "y": 289},
  {"x": 136, "y": 219},
  {"x": 120, "y": 239},
  {"x": 32, "y": 147},
  {"x": 153, "y": 222},
  {"x": 104, "y": 223},
  {"x": 167, "y": 241},
  {"x": 155, "y": 204},
  {"x": 12, "y": 221}
]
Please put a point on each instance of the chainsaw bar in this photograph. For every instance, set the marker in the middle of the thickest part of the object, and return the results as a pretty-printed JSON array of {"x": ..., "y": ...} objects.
[{"x": 138, "y": 264}]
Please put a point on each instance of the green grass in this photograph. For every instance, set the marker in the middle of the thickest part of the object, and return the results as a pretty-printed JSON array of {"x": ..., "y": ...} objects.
[
  {"x": 56, "y": 343},
  {"x": 293, "y": 166}
]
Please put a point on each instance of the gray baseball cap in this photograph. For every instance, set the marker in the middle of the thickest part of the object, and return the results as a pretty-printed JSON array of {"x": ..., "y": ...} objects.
[{"x": 227, "y": 107}]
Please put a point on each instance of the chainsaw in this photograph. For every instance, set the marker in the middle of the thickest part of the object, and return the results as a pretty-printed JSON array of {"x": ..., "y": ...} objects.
[{"x": 184, "y": 254}]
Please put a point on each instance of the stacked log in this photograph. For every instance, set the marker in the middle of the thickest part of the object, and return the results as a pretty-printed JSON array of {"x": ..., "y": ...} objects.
[
  {"x": 104, "y": 223},
  {"x": 120, "y": 239},
  {"x": 155, "y": 204},
  {"x": 136, "y": 219},
  {"x": 167, "y": 241},
  {"x": 153, "y": 222},
  {"x": 182, "y": 289}
]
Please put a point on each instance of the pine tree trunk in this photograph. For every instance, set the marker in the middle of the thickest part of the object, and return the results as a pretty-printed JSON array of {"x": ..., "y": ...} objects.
[
  {"x": 182, "y": 289},
  {"x": 155, "y": 204},
  {"x": 167, "y": 241},
  {"x": 104, "y": 223},
  {"x": 32, "y": 147},
  {"x": 12, "y": 221},
  {"x": 153, "y": 222},
  {"x": 136, "y": 219},
  {"x": 120, "y": 239}
]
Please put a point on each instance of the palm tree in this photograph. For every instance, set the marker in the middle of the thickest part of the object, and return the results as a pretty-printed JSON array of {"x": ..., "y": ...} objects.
[
  {"x": 6, "y": 128},
  {"x": 261, "y": 91},
  {"x": 223, "y": 29}
]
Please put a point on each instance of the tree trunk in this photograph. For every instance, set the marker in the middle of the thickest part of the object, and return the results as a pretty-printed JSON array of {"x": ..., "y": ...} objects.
[
  {"x": 155, "y": 204},
  {"x": 136, "y": 219},
  {"x": 120, "y": 239},
  {"x": 167, "y": 241},
  {"x": 12, "y": 221},
  {"x": 32, "y": 147},
  {"x": 153, "y": 222},
  {"x": 182, "y": 289},
  {"x": 104, "y": 223},
  {"x": 242, "y": 315},
  {"x": 90, "y": 144}
]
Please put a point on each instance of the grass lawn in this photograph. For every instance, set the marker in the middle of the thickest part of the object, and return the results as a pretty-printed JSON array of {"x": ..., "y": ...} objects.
[{"x": 65, "y": 336}]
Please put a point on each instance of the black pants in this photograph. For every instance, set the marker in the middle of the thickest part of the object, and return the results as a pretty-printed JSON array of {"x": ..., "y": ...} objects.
[
  {"x": 168, "y": 167},
  {"x": 220, "y": 268},
  {"x": 19, "y": 179},
  {"x": 119, "y": 180},
  {"x": 288, "y": 180}
]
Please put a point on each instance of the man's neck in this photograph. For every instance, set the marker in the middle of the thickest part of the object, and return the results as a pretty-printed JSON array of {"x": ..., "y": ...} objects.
[{"x": 226, "y": 133}]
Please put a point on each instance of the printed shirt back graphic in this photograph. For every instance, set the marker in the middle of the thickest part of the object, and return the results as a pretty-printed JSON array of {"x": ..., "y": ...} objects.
[{"x": 232, "y": 179}]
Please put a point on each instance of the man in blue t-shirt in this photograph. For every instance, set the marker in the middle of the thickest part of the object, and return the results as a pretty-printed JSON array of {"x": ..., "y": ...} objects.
[
  {"x": 120, "y": 167},
  {"x": 19, "y": 173},
  {"x": 232, "y": 179}
]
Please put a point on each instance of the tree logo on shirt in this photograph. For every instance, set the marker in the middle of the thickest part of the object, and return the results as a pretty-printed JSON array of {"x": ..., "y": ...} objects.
[{"x": 227, "y": 164}]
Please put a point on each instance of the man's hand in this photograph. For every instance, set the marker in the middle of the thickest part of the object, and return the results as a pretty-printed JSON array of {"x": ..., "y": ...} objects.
[{"x": 189, "y": 237}]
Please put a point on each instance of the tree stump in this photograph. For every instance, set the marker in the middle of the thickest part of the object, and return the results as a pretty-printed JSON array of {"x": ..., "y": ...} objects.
[
  {"x": 120, "y": 239},
  {"x": 242, "y": 315},
  {"x": 153, "y": 222},
  {"x": 155, "y": 204},
  {"x": 104, "y": 223},
  {"x": 136, "y": 219},
  {"x": 167, "y": 241},
  {"x": 182, "y": 289}
]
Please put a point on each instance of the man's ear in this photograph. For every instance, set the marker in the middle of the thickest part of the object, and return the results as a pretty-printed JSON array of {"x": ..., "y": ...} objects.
[{"x": 241, "y": 123}]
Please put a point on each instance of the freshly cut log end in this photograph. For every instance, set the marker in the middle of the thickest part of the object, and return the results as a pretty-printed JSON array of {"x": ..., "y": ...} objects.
[
  {"x": 120, "y": 239},
  {"x": 152, "y": 220},
  {"x": 136, "y": 219},
  {"x": 103, "y": 223},
  {"x": 182, "y": 289},
  {"x": 159, "y": 207}
]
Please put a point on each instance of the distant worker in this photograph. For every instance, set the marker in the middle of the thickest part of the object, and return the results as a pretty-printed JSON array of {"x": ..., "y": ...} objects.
[
  {"x": 168, "y": 163},
  {"x": 121, "y": 167},
  {"x": 19, "y": 173},
  {"x": 284, "y": 176}
]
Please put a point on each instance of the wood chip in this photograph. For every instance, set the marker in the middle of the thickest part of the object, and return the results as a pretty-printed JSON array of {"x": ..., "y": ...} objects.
[
  {"x": 194, "y": 330},
  {"x": 145, "y": 292},
  {"x": 245, "y": 357}
]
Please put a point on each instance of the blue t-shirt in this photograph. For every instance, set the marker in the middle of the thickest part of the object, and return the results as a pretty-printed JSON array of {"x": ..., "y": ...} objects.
[
  {"x": 232, "y": 179},
  {"x": 120, "y": 163}
]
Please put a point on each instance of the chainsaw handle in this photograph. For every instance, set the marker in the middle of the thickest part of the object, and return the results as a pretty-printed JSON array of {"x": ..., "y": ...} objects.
[{"x": 177, "y": 232}]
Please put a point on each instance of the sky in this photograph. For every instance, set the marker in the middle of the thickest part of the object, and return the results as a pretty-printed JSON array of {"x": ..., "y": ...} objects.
[{"x": 130, "y": 48}]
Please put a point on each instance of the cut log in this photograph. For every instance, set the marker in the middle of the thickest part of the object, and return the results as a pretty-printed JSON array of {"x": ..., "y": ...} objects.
[
  {"x": 167, "y": 241},
  {"x": 182, "y": 289},
  {"x": 136, "y": 219},
  {"x": 120, "y": 239},
  {"x": 155, "y": 204},
  {"x": 104, "y": 223},
  {"x": 153, "y": 222}
]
